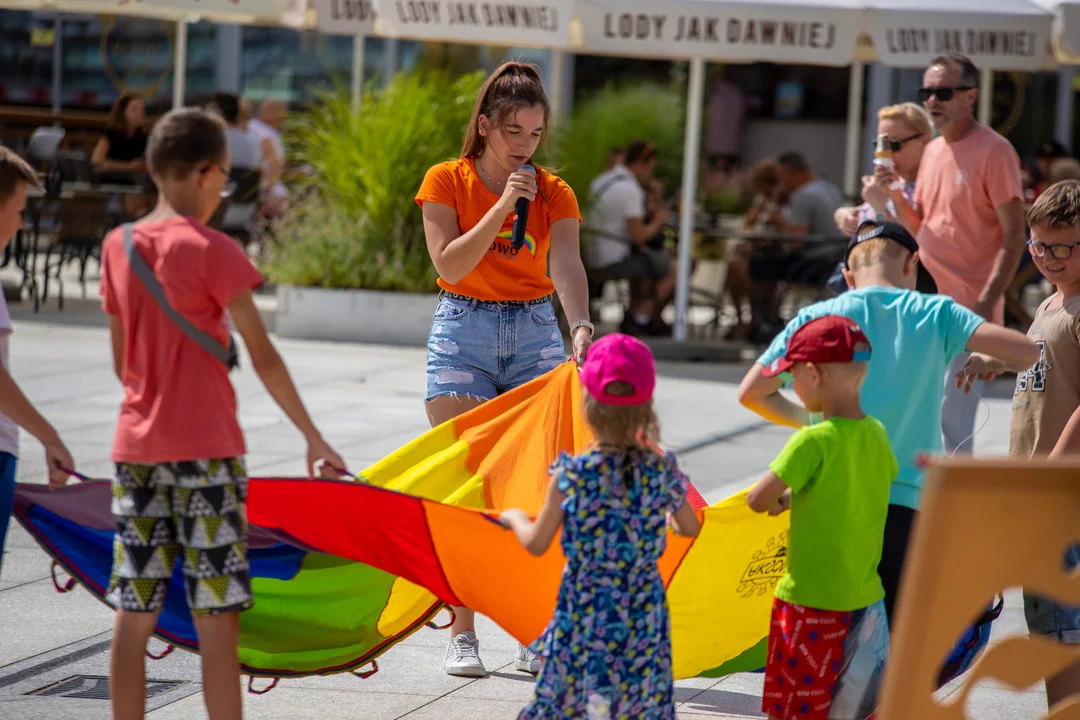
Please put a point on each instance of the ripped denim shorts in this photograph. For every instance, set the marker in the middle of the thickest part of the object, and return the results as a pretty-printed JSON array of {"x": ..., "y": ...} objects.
[{"x": 483, "y": 349}]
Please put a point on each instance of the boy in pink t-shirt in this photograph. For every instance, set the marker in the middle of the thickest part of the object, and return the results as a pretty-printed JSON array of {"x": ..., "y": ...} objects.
[{"x": 181, "y": 486}]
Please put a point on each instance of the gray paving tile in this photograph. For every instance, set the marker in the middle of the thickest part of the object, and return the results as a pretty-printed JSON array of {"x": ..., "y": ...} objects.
[
  {"x": 284, "y": 703},
  {"x": 36, "y": 619}
]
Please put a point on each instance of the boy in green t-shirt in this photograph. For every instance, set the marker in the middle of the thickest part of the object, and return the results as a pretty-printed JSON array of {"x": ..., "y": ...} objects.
[{"x": 829, "y": 636}]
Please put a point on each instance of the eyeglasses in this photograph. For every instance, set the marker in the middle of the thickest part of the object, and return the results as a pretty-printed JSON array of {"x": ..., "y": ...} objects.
[
  {"x": 229, "y": 187},
  {"x": 944, "y": 94},
  {"x": 895, "y": 144},
  {"x": 1058, "y": 252}
]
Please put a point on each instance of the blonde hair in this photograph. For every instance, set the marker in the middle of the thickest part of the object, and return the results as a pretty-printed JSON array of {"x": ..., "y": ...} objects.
[
  {"x": 1064, "y": 169},
  {"x": 874, "y": 252},
  {"x": 911, "y": 113},
  {"x": 847, "y": 376},
  {"x": 626, "y": 426}
]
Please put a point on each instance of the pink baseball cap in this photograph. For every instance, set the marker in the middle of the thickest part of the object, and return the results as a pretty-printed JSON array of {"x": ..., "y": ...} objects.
[{"x": 619, "y": 358}]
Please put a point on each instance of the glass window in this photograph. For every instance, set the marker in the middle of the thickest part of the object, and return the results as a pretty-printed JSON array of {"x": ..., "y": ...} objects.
[
  {"x": 26, "y": 54},
  {"x": 105, "y": 56},
  {"x": 292, "y": 65}
]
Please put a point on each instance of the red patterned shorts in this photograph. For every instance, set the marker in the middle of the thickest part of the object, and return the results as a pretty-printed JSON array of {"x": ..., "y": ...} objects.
[{"x": 823, "y": 664}]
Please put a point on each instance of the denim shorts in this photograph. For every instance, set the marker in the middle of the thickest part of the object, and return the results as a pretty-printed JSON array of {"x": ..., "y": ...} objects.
[
  {"x": 1050, "y": 617},
  {"x": 483, "y": 349}
]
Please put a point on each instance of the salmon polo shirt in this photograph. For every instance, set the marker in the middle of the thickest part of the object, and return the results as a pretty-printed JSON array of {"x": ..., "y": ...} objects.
[{"x": 959, "y": 188}]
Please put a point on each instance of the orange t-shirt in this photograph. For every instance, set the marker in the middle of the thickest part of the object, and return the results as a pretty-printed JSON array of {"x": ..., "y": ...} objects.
[
  {"x": 502, "y": 274},
  {"x": 959, "y": 188}
]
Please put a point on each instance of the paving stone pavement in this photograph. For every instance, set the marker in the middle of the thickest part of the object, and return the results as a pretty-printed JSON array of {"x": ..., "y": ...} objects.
[{"x": 367, "y": 400}]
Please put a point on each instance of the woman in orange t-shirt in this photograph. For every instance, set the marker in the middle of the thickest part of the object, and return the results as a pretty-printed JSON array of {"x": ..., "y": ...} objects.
[{"x": 495, "y": 327}]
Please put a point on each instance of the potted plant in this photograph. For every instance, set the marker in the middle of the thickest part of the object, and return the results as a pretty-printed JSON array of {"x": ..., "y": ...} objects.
[{"x": 349, "y": 257}]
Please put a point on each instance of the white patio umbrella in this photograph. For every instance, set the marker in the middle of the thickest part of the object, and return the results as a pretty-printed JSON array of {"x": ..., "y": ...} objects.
[
  {"x": 810, "y": 32},
  {"x": 1065, "y": 37},
  {"x": 998, "y": 35},
  {"x": 348, "y": 17}
]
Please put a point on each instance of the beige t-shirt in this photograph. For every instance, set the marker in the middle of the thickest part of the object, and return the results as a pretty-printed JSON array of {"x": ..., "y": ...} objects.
[{"x": 1048, "y": 392}]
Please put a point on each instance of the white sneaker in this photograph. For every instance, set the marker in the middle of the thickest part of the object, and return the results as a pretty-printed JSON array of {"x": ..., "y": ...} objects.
[
  {"x": 463, "y": 656},
  {"x": 526, "y": 660}
]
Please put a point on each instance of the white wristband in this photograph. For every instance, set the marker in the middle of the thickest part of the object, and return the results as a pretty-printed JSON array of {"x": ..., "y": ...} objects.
[{"x": 582, "y": 323}]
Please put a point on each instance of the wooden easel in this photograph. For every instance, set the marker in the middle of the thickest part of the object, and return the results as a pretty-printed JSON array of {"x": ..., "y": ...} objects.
[{"x": 985, "y": 526}]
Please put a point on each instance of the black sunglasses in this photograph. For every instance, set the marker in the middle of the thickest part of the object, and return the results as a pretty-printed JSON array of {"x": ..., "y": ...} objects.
[
  {"x": 895, "y": 144},
  {"x": 944, "y": 94}
]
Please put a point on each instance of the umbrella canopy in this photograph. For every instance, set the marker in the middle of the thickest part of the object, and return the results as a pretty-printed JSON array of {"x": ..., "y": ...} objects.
[
  {"x": 286, "y": 12},
  {"x": 541, "y": 24},
  {"x": 995, "y": 34},
  {"x": 810, "y": 32},
  {"x": 1065, "y": 35},
  {"x": 345, "y": 17}
]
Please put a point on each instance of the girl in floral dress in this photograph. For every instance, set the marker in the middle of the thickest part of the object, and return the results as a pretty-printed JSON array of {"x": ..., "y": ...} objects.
[{"x": 607, "y": 651}]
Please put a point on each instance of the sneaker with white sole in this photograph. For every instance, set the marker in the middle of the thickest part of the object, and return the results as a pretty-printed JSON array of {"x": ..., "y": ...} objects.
[
  {"x": 463, "y": 656},
  {"x": 526, "y": 660}
]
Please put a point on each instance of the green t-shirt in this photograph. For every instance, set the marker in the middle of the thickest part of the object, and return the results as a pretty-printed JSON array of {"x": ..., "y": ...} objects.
[{"x": 839, "y": 472}]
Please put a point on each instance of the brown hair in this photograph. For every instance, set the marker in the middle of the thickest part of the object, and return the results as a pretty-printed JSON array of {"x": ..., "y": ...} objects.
[
  {"x": 14, "y": 170},
  {"x": 116, "y": 117},
  {"x": 184, "y": 140},
  {"x": 512, "y": 87},
  {"x": 1057, "y": 208},
  {"x": 625, "y": 426},
  {"x": 1065, "y": 168},
  {"x": 763, "y": 176}
]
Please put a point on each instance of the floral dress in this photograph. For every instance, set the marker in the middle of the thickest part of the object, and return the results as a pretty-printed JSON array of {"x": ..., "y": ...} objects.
[{"x": 607, "y": 651}]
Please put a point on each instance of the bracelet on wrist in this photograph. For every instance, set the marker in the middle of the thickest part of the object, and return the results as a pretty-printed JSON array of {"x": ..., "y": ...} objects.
[{"x": 582, "y": 324}]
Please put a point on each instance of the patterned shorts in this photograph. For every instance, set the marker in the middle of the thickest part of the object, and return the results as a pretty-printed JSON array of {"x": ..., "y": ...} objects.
[
  {"x": 824, "y": 665},
  {"x": 194, "y": 508}
]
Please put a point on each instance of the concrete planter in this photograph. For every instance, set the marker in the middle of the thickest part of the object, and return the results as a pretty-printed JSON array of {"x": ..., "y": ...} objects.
[{"x": 369, "y": 316}]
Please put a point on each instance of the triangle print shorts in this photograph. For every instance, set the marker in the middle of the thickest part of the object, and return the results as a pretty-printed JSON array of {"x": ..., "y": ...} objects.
[{"x": 194, "y": 510}]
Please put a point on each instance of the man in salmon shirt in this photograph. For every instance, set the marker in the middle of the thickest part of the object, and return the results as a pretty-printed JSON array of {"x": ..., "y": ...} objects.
[{"x": 967, "y": 214}]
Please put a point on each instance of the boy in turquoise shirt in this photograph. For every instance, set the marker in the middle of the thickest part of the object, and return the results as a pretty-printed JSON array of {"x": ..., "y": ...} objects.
[
  {"x": 915, "y": 336},
  {"x": 829, "y": 636}
]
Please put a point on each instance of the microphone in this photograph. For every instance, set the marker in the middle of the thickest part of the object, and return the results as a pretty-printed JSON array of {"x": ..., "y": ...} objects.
[{"x": 521, "y": 215}]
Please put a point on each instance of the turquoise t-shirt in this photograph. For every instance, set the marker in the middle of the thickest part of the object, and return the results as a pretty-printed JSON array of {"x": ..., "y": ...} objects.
[
  {"x": 913, "y": 337},
  {"x": 839, "y": 472}
]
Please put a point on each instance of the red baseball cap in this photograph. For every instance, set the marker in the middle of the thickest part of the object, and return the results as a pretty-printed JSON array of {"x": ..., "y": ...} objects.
[
  {"x": 619, "y": 358},
  {"x": 828, "y": 339}
]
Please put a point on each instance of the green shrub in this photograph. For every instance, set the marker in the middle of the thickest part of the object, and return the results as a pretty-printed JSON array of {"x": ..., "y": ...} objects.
[
  {"x": 355, "y": 223},
  {"x": 616, "y": 117}
]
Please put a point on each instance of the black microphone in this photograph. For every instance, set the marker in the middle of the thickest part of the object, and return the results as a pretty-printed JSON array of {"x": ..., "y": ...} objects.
[{"x": 521, "y": 215}]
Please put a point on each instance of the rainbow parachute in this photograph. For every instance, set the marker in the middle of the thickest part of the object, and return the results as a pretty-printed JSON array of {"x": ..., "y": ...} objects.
[{"x": 343, "y": 570}]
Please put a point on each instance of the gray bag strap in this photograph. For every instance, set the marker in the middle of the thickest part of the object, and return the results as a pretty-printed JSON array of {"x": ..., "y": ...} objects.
[{"x": 227, "y": 355}]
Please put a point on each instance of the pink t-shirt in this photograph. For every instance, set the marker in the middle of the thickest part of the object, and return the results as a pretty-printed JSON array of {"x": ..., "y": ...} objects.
[
  {"x": 178, "y": 401},
  {"x": 960, "y": 185}
]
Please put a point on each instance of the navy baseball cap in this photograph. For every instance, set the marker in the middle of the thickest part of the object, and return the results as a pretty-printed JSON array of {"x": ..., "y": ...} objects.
[{"x": 924, "y": 281}]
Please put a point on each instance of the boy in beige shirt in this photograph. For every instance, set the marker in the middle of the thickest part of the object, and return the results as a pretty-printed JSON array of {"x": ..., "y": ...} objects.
[{"x": 1046, "y": 402}]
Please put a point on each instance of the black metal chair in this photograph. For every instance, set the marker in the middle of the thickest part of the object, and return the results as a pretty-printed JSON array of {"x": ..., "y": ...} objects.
[{"x": 81, "y": 225}]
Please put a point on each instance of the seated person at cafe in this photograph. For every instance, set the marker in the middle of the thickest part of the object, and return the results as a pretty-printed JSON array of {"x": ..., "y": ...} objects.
[
  {"x": 767, "y": 199},
  {"x": 118, "y": 157},
  {"x": 618, "y": 232},
  {"x": 120, "y": 151},
  {"x": 811, "y": 203}
]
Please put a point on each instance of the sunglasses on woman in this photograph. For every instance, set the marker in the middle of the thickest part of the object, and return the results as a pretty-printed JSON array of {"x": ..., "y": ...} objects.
[
  {"x": 895, "y": 144},
  {"x": 1059, "y": 252},
  {"x": 944, "y": 94}
]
